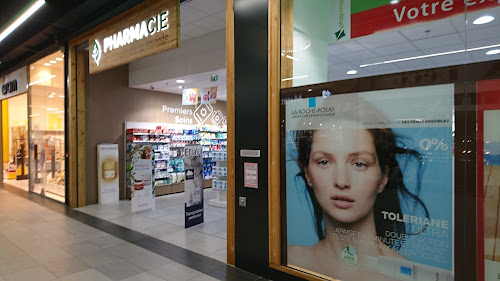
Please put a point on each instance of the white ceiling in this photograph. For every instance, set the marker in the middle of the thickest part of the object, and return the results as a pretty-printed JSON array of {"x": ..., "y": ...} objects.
[
  {"x": 200, "y": 17},
  {"x": 445, "y": 35}
]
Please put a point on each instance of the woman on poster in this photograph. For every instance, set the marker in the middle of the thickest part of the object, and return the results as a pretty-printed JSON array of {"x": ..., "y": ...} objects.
[{"x": 352, "y": 177}]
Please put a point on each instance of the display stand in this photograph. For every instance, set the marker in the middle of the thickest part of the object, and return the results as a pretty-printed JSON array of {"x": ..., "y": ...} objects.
[{"x": 219, "y": 183}]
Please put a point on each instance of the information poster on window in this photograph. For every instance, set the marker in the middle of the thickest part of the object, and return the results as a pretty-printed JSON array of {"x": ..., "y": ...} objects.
[
  {"x": 143, "y": 191},
  {"x": 193, "y": 184},
  {"x": 488, "y": 179},
  {"x": 107, "y": 173},
  {"x": 369, "y": 184}
]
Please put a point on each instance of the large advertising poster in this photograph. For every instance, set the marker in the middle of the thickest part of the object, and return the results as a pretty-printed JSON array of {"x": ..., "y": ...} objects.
[
  {"x": 143, "y": 191},
  {"x": 488, "y": 179},
  {"x": 193, "y": 185},
  {"x": 369, "y": 184},
  {"x": 107, "y": 173}
]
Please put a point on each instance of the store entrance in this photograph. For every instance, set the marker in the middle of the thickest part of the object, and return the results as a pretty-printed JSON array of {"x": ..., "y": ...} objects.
[{"x": 15, "y": 141}]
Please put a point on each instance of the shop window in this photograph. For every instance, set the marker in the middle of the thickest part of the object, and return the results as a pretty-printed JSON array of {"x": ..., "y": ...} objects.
[
  {"x": 47, "y": 111},
  {"x": 378, "y": 115}
]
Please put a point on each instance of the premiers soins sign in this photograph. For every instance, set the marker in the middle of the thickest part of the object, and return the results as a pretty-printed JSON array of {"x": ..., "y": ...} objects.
[{"x": 145, "y": 30}]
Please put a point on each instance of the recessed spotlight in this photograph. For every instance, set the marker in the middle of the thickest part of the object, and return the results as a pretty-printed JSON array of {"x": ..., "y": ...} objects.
[
  {"x": 61, "y": 97},
  {"x": 351, "y": 72},
  {"x": 180, "y": 81},
  {"x": 46, "y": 64},
  {"x": 53, "y": 61},
  {"x": 180, "y": 87},
  {"x": 32, "y": 67},
  {"x": 483, "y": 20},
  {"x": 59, "y": 59},
  {"x": 493, "y": 52},
  {"x": 51, "y": 109},
  {"x": 51, "y": 95}
]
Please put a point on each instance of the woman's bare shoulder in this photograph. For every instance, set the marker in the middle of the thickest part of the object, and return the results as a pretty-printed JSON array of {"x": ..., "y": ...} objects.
[{"x": 299, "y": 255}]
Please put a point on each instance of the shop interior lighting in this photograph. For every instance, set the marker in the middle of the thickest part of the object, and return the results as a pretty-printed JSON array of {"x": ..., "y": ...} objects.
[
  {"x": 32, "y": 67},
  {"x": 34, "y": 115},
  {"x": 483, "y": 20},
  {"x": 352, "y": 72},
  {"x": 293, "y": 78},
  {"x": 430, "y": 55},
  {"x": 52, "y": 109},
  {"x": 53, "y": 61},
  {"x": 46, "y": 64},
  {"x": 60, "y": 111},
  {"x": 180, "y": 87},
  {"x": 32, "y": 9},
  {"x": 42, "y": 80},
  {"x": 51, "y": 95},
  {"x": 180, "y": 81},
  {"x": 61, "y": 96},
  {"x": 493, "y": 52},
  {"x": 59, "y": 59}
]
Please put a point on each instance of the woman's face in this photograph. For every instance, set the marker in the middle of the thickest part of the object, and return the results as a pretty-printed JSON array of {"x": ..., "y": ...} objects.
[{"x": 345, "y": 174}]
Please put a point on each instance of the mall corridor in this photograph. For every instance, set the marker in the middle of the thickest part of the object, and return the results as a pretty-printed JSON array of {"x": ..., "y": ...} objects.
[{"x": 43, "y": 240}]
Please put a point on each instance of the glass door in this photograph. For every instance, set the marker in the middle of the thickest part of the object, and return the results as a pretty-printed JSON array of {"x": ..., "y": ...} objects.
[{"x": 47, "y": 175}]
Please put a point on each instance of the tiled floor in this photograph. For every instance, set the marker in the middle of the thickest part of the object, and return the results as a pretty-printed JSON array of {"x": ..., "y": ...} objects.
[
  {"x": 166, "y": 223},
  {"x": 43, "y": 240}
]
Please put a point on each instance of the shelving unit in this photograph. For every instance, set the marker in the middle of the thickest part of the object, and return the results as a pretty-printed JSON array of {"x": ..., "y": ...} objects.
[
  {"x": 168, "y": 142},
  {"x": 219, "y": 183}
]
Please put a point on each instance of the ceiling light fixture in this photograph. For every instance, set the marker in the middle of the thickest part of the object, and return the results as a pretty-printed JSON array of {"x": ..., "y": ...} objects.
[
  {"x": 32, "y": 9},
  {"x": 483, "y": 20},
  {"x": 61, "y": 97},
  {"x": 46, "y": 64},
  {"x": 352, "y": 72},
  {"x": 430, "y": 55},
  {"x": 52, "y": 109},
  {"x": 34, "y": 115},
  {"x": 59, "y": 59},
  {"x": 51, "y": 95},
  {"x": 180, "y": 81},
  {"x": 42, "y": 80},
  {"x": 32, "y": 67},
  {"x": 292, "y": 78},
  {"x": 493, "y": 52},
  {"x": 53, "y": 61},
  {"x": 180, "y": 87}
]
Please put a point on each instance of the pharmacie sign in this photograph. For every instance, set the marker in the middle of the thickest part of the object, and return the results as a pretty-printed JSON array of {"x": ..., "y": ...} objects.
[
  {"x": 147, "y": 29},
  {"x": 357, "y": 18},
  {"x": 14, "y": 83}
]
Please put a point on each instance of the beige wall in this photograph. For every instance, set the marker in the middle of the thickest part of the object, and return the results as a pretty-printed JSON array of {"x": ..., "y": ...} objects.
[{"x": 109, "y": 103}]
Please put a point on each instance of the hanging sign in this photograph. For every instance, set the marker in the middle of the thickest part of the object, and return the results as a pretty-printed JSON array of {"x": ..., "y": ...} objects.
[
  {"x": 14, "y": 83},
  {"x": 357, "y": 18},
  {"x": 147, "y": 29},
  {"x": 107, "y": 173},
  {"x": 143, "y": 191},
  {"x": 193, "y": 184},
  {"x": 190, "y": 96},
  {"x": 208, "y": 95}
]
